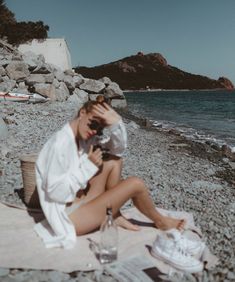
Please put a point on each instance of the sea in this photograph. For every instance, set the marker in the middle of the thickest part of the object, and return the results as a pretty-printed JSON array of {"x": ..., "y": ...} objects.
[{"x": 205, "y": 116}]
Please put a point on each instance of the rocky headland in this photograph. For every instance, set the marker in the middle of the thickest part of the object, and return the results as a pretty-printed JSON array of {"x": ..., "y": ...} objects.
[{"x": 152, "y": 71}]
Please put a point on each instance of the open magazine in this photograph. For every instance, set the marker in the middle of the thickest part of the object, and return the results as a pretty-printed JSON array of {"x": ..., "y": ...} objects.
[{"x": 138, "y": 269}]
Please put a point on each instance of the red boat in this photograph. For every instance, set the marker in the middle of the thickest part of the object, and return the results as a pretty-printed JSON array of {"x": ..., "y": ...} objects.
[
  {"x": 15, "y": 97},
  {"x": 19, "y": 97}
]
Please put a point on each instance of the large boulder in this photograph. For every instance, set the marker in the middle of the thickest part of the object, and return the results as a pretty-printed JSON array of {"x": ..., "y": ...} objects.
[
  {"x": 106, "y": 80},
  {"x": 7, "y": 84},
  {"x": 32, "y": 60},
  {"x": 59, "y": 75},
  {"x": 82, "y": 95},
  {"x": 62, "y": 92},
  {"x": 68, "y": 80},
  {"x": 74, "y": 99},
  {"x": 78, "y": 80},
  {"x": 17, "y": 71},
  {"x": 46, "y": 89},
  {"x": 113, "y": 91},
  {"x": 56, "y": 83},
  {"x": 43, "y": 68},
  {"x": 49, "y": 78},
  {"x": 35, "y": 78},
  {"x": 21, "y": 88},
  {"x": 92, "y": 86},
  {"x": 69, "y": 72}
]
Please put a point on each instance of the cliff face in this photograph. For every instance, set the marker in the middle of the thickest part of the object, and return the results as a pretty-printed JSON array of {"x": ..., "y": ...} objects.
[
  {"x": 151, "y": 71},
  {"x": 226, "y": 82}
]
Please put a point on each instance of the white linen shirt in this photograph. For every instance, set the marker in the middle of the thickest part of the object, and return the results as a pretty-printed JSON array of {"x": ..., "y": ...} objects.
[{"x": 62, "y": 170}]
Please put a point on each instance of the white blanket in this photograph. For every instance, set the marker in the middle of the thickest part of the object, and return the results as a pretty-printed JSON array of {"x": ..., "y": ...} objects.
[{"x": 20, "y": 247}]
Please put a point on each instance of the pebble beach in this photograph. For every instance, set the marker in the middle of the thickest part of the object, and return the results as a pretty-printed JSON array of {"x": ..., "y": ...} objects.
[{"x": 180, "y": 174}]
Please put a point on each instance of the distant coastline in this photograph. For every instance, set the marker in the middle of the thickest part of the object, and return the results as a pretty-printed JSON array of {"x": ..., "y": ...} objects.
[
  {"x": 173, "y": 90},
  {"x": 151, "y": 72}
]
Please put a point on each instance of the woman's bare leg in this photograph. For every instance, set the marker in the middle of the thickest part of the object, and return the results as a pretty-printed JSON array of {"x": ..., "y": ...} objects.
[
  {"x": 108, "y": 178},
  {"x": 90, "y": 215}
]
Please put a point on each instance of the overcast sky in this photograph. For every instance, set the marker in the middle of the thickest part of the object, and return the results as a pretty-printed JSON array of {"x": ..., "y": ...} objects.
[{"x": 197, "y": 36}]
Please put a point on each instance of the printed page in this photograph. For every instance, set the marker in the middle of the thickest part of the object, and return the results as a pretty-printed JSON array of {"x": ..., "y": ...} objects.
[{"x": 132, "y": 269}]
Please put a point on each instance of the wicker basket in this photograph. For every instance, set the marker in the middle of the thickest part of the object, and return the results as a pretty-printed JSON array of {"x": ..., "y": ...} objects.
[{"x": 31, "y": 198}]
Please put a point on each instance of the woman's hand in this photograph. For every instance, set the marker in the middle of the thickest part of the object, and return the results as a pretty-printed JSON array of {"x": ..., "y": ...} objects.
[
  {"x": 106, "y": 113},
  {"x": 96, "y": 156}
]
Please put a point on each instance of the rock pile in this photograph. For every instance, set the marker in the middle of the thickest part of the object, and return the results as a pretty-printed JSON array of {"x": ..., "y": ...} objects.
[{"x": 29, "y": 73}]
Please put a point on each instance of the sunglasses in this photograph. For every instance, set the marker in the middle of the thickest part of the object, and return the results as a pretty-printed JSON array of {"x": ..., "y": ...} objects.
[{"x": 95, "y": 125}]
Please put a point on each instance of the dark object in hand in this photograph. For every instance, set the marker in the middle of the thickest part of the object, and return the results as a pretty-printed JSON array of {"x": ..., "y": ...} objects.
[
  {"x": 95, "y": 125},
  {"x": 105, "y": 154}
]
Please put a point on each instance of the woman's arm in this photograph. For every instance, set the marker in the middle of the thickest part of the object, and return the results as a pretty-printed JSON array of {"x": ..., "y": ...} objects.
[
  {"x": 64, "y": 173},
  {"x": 117, "y": 142}
]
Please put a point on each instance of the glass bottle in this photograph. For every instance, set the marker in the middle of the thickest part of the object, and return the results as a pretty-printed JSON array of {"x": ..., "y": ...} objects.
[{"x": 108, "y": 238}]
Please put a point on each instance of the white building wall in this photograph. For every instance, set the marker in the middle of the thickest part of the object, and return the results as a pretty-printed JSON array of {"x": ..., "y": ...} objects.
[{"x": 55, "y": 51}]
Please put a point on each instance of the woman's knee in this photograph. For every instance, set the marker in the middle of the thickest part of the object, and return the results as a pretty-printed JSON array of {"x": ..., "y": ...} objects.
[
  {"x": 137, "y": 183},
  {"x": 113, "y": 163}
]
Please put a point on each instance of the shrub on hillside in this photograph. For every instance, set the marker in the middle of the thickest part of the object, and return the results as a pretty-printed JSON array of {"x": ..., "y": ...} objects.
[{"x": 19, "y": 32}]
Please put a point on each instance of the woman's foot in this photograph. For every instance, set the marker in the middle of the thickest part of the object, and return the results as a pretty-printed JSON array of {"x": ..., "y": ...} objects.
[
  {"x": 125, "y": 223},
  {"x": 166, "y": 223}
]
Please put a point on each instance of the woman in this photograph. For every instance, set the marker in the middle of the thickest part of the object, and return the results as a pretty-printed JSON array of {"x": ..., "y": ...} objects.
[{"x": 75, "y": 184}]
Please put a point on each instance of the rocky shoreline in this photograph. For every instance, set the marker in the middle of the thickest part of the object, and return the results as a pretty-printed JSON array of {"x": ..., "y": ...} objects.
[
  {"x": 180, "y": 174},
  {"x": 169, "y": 90}
]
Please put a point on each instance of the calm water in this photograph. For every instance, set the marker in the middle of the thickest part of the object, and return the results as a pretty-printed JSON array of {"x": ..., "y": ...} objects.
[{"x": 199, "y": 114}]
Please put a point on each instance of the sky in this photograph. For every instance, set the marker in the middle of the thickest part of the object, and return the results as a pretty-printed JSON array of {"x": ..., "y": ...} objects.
[{"x": 197, "y": 36}]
